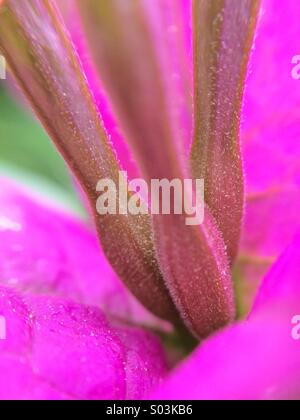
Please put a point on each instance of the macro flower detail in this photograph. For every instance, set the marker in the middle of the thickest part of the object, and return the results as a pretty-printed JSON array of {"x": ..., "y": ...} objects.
[
  {"x": 143, "y": 305},
  {"x": 95, "y": 362},
  {"x": 261, "y": 360}
]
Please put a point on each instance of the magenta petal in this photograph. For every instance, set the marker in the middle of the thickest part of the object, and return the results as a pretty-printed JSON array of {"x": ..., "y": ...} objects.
[
  {"x": 271, "y": 221},
  {"x": 270, "y": 134},
  {"x": 280, "y": 209},
  {"x": 139, "y": 369},
  {"x": 18, "y": 335},
  {"x": 72, "y": 352},
  {"x": 272, "y": 100},
  {"x": 17, "y": 381},
  {"x": 271, "y": 124},
  {"x": 255, "y": 359},
  {"x": 280, "y": 291},
  {"x": 41, "y": 251}
]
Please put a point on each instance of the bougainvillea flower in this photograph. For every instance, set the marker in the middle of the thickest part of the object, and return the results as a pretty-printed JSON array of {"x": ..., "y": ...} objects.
[{"x": 156, "y": 88}]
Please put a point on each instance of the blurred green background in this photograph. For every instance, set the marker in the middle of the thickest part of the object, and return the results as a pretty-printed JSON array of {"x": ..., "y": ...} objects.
[{"x": 28, "y": 156}]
